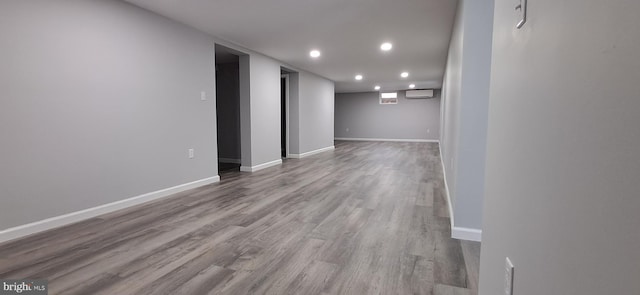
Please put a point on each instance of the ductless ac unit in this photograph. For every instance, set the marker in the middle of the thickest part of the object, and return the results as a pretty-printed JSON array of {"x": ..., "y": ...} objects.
[{"x": 425, "y": 93}]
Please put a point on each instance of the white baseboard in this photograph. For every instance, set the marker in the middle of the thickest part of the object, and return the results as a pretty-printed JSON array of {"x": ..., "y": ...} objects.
[
  {"x": 322, "y": 150},
  {"x": 461, "y": 233},
  {"x": 468, "y": 234},
  {"x": 386, "y": 139},
  {"x": 58, "y": 221},
  {"x": 261, "y": 166},
  {"x": 446, "y": 185},
  {"x": 229, "y": 160}
]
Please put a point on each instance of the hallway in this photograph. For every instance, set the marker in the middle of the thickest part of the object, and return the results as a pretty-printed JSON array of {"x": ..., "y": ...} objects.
[{"x": 368, "y": 218}]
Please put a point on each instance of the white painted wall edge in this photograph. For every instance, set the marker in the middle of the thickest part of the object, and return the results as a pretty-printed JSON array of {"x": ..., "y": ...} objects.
[
  {"x": 229, "y": 160},
  {"x": 261, "y": 166},
  {"x": 322, "y": 150},
  {"x": 58, "y": 221},
  {"x": 461, "y": 233},
  {"x": 386, "y": 139}
]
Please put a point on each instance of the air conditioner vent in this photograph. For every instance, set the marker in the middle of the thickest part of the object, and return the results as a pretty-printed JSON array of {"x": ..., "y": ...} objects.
[{"x": 425, "y": 93}]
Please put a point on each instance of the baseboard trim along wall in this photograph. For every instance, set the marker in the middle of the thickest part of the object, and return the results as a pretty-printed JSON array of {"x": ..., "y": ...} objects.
[
  {"x": 446, "y": 187},
  {"x": 385, "y": 139},
  {"x": 322, "y": 150},
  {"x": 229, "y": 160},
  {"x": 62, "y": 220},
  {"x": 468, "y": 234},
  {"x": 461, "y": 233},
  {"x": 261, "y": 166}
]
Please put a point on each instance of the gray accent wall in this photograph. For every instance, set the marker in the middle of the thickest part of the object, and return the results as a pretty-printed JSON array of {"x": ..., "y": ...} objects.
[
  {"x": 100, "y": 101},
  {"x": 563, "y": 166},
  {"x": 360, "y": 115},
  {"x": 465, "y": 101}
]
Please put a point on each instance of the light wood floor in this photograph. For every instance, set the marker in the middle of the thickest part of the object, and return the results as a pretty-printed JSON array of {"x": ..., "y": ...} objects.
[{"x": 368, "y": 218}]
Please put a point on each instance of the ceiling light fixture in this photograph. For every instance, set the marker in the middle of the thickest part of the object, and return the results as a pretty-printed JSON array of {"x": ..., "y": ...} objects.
[
  {"x": 404, "y": 75},
  {"x": 377, "y": 87},
  {"x": 358, "y": 77},
  {"x": 412, "y": 86},
  {"x": 386, "y": 46},
  {"x": 314, "y": 53}
]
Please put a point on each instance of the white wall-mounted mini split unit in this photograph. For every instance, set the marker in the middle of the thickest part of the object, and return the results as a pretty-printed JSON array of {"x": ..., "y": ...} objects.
[{"x": 425, "y": 93}]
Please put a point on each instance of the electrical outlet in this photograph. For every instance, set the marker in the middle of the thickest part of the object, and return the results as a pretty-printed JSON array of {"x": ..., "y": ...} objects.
[
  {"x": 191, "y": 153},
  {"x": 203, "y": 95},
  {"x": 428, "y": 130},
  {"x": 347, "y": 129},
  {"x": 508, "y": 277}
]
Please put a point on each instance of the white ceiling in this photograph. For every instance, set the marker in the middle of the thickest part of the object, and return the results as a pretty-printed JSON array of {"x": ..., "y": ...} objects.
[{"x": 347, "y": 32}]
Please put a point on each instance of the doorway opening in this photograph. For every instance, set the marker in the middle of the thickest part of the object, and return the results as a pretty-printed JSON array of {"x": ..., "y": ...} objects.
[
  {"x": 284, "y": 111},
  {"x": 228, "y": 109}
]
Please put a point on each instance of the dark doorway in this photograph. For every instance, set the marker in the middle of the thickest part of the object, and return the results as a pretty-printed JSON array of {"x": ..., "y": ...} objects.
[
  {"x": 228, "y": 109},
  {"x": 283, "y": 115}
]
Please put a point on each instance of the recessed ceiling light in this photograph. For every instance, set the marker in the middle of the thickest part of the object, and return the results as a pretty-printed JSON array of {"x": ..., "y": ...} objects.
[
  {"x": 377, "y": 87},
  {"x": 412, "y": 86},
  {"x": 404, "y": 75},
  {"x": 314, "y": 53},
  {"x": 358, "y": 77},
  {"x": 386, "y": 46}
]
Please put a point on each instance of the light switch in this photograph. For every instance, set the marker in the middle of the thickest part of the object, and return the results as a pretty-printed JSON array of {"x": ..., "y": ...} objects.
[
  {"x": 508, "y": 277},
  {"x": 521, "y": 11}
]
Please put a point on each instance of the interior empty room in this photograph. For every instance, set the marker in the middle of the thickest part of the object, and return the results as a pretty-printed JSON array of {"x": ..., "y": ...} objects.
[{"x": 439, "y": 147}]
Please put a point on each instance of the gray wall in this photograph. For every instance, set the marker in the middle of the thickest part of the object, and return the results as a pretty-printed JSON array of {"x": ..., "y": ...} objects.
[
  {"x": 365, "y": 117},
  {"x": 100, "y": 101},
  {"x": 294, "y": 113},
  {"x": 316, "y": 111},
  {"x": 264, "y": 84},
  {"x": 228, "y": 110},
  {"x": 310, "y": 112},
  {"x": 563, "y": 171},
  {"x": 245, "y": 110},
  {"x": 450, "y": 109},
  {"x": 465, "y": 111}
]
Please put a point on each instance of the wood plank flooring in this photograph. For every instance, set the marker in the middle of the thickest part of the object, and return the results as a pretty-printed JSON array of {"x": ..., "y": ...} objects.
[
  {"x": 368, "y": 218},
  {"x": 471, "y": 254}
]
